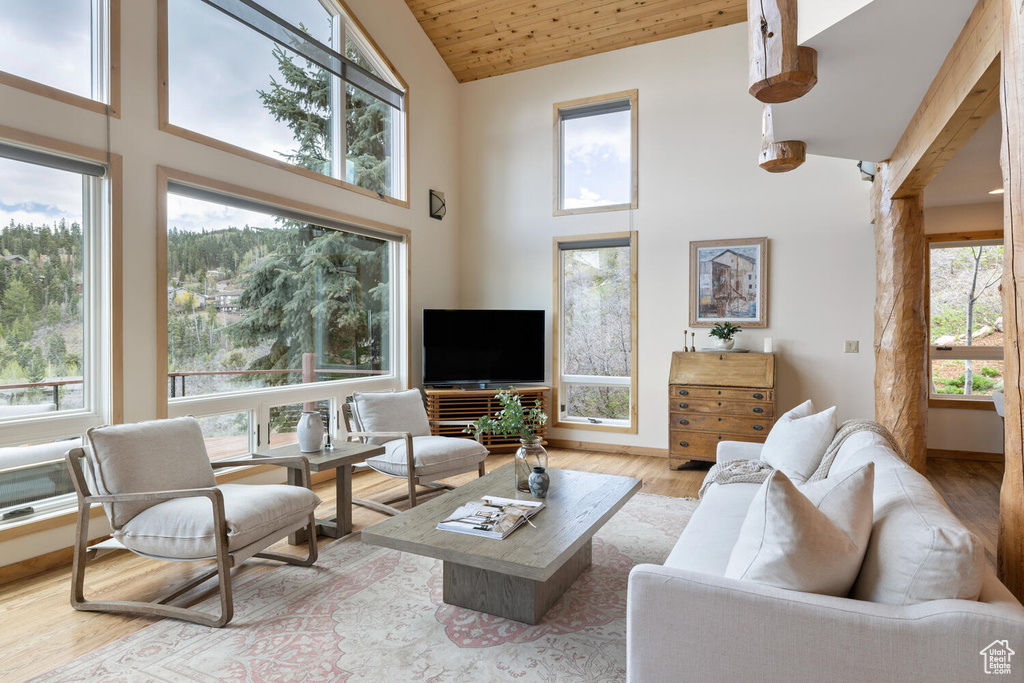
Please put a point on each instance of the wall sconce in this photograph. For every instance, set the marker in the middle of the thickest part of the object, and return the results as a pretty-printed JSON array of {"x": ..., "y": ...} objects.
[{"x": 437, "y": 207}]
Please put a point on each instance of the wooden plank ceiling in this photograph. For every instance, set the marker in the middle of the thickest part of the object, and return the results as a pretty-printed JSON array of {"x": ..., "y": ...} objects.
[{"x": 481, "y": 38}]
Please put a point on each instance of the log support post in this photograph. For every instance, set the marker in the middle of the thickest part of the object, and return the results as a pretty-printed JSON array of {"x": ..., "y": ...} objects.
[
  {"x": 780, "y": 70},
  {"x": 901, "y": 333},
  {"x": 1011, "y": 497}
]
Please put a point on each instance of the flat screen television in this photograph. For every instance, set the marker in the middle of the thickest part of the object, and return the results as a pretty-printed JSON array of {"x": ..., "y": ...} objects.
[{"x": 482, "y": 346}]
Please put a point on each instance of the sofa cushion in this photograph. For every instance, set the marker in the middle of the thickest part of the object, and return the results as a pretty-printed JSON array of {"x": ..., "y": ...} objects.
[
  {"x": 919, "y": 551},
  {"x": 184, "y": 527},
  {"x": 809, "y": 539},
  {"x": 160, "y": 455},
  {"x": 431, "y": 455},
  {"x": 709, "y": 536},
  {"x": 798, "y": 440},
  {"x": 390, "y": 411},
  {"x": 863, "y": 447}
]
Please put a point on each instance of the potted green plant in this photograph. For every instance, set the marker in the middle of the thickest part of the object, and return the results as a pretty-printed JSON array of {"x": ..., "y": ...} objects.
[
  {"x": 724, "y": 333},
  {"x": 515, "y": 420}
]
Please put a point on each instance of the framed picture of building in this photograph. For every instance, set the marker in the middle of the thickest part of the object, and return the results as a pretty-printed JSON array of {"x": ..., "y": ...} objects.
[{"x": 729, "y": 282}]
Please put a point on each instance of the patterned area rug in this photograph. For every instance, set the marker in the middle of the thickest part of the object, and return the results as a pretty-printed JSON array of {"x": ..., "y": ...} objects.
[{"x": 365, "y": 613}]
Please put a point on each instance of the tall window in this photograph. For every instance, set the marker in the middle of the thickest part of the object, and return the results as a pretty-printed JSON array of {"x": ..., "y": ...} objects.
[
  {"x": 315, "y": 94},
  {"x": 65, "y": 46},
  {"x": 55, "y": 323},
  {"x": 595, "y": 150},
  {"x": 966, "y": 315},
  {"x": 271, "y": 311},
  {"x": 596, "y": 332}
]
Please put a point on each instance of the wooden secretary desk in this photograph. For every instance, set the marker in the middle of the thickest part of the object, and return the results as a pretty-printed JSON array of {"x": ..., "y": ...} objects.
[{"x": 715, "y": 396}]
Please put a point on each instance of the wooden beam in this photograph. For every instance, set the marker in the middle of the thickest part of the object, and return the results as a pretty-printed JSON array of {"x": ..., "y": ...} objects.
[
  {"x": 778, "y": 157},
  {"x": 960, "y": 99},
  {"x": 1011, "y": 497},
  {"x": 780, "y": 70},
  {"x": 901, "y": 332}
]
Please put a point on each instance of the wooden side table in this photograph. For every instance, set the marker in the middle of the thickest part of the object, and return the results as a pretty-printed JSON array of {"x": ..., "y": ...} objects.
[{"x": 341, "y": 458}]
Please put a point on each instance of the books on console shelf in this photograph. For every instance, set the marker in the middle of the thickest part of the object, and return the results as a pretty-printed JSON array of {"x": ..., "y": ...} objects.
[{"x": 491, "y": 516}]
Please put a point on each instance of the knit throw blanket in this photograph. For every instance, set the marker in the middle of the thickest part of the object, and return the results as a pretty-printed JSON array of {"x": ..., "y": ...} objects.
[{"x": 757, "y": 471}]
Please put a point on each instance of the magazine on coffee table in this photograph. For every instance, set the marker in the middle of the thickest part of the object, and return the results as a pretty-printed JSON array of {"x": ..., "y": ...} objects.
[{"x": 491, "y": 516}]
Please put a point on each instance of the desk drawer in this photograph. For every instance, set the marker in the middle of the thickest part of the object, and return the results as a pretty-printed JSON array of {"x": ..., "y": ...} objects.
[
  {"x": 726, "y": 407},
  {"x": 727, "y": 424},
  {"x": 686, "y": 391},
  {"x": 701, "y": 445}
]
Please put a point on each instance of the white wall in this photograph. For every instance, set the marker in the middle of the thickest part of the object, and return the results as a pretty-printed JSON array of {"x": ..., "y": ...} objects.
[
  {"x": 814, "y": 16},
  {"x": 699, "y": 179},
  {"x": 434, "y": 164},
  {"x": 948, "y": 428}
]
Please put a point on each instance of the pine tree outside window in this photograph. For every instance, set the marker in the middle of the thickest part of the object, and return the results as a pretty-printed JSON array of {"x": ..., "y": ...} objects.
[{"x": 221, "y": 71}]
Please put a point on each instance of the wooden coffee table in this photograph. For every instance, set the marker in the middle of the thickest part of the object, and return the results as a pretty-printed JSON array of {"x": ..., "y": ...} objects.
[
  {"x": 342, "y": 457},
  {"x": 521, "y": 576}
]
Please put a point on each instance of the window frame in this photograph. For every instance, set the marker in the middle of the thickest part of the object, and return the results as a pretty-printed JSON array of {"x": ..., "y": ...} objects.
[
  {"x": 558, "y": 379},
  {"x": 559, "y": 107},
  {"x": 345, "y": 17},
  {"x": 105, "y": 370},
  {"x": 110, "y": 86},
  {"x": 972, "y": 402},
  {"x": 259, "y": 401}
]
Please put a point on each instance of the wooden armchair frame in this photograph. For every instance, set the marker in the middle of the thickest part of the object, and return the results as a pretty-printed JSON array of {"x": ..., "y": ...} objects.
[
  {"x": 412, "y": 479},
  {"x": 224, "y": 558}
]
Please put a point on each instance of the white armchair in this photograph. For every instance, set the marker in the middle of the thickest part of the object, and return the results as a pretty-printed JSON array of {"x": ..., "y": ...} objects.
[
  {"x": 157, "y": 487},
  {"x": 398, "y": 421}
]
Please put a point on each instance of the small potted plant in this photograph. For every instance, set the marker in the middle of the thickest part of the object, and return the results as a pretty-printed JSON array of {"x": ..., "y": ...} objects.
[
  {"x": 724, "y": 333},
  {"x": 514, "y": 420}
]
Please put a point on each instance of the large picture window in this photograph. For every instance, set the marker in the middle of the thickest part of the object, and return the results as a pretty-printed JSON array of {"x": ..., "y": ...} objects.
[
  {"x": 313, "y": 91},
  {"x": 965, "y": 318},
  {"x": 67, "y": 48},
  {"x": 595, "y": 154},
  {"x": 56, "y": 320},
  {"x": 258, "y": 299},
  {"x": 596, "y": 332},
  {"x": 270, "y": 307}
]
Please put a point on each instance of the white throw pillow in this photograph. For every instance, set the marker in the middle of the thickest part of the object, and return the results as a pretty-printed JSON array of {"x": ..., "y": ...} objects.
[
  {"x": 798, "y": 440},
  {"x": 810, "y": 539}
]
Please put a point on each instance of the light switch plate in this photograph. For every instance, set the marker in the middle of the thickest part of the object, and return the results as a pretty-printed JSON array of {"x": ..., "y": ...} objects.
[{"x": 852, "y": 346}]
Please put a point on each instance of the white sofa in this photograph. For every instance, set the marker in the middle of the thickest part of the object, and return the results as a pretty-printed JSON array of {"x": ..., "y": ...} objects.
[{"x": 688, "y": 622}]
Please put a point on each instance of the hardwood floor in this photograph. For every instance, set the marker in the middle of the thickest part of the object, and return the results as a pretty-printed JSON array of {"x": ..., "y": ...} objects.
[{"x": 41, "y": 631}]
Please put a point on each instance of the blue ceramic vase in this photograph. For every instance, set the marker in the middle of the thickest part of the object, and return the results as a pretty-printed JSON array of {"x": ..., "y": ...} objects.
[{"x": 539, "y": 481}]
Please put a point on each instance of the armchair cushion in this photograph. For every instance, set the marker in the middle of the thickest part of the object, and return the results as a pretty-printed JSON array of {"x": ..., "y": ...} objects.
[
  {"x": 431, "y": 455},
  {"x": 184, "y": 528},
  {"x": 390, "y": 411},
  {"x": 160, "y": 455}
]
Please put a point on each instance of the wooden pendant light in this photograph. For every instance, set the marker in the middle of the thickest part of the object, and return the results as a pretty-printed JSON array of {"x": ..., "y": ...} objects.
[
  {"x": 780, "y": 70},
  {"x": 778, "y": 157}
]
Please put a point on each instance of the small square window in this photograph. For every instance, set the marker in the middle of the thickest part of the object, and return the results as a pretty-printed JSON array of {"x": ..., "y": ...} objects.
[{"x": 596, "y": 154}]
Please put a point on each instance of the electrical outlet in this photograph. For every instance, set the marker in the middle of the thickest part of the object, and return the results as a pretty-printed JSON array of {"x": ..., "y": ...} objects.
[{"x": 852, "y": 346}]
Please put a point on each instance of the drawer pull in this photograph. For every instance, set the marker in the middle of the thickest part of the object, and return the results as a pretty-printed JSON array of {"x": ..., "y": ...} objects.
[
  {"x": 757, "y": 395},
  {"x": 758, "y": 427},
  {"x": 719, "y": 419},
  {"x": 684, "y": 392},
  {"x": 684, "y": 444},
  {"x": 684, "y": 422},
  {"x": 684, "y": 405},
  {"x": 758, "y": 410},
  {"x": 719, "y": 403}
]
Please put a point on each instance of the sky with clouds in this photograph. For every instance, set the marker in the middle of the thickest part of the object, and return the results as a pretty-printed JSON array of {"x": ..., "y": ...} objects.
[{"x": 596, "y": 169}]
